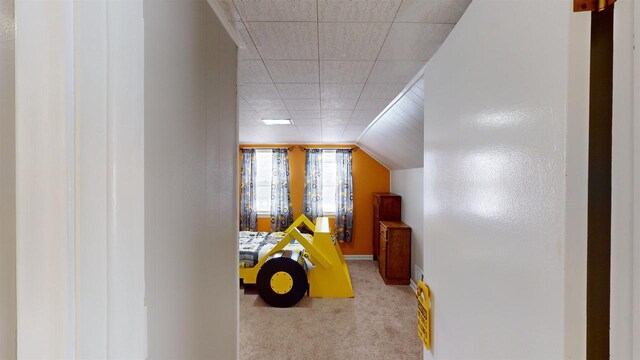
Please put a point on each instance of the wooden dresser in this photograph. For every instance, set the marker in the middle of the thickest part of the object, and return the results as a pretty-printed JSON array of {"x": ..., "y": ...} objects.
[
  {"x": 394, "y": 261},
  {"x": 386, "y": 206}
]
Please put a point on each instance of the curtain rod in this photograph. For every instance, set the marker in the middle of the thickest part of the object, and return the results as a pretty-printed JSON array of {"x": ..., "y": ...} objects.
[
  {"x": 267, "y": 147},
  {"x": 302, "y": 148}
]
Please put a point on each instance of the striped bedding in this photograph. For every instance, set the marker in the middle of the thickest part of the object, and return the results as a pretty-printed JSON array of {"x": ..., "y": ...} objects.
[{"x": 255, "y": 245}]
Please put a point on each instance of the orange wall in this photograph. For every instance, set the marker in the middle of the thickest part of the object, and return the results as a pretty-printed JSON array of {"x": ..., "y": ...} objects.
[{"x": 369, "y": 176}]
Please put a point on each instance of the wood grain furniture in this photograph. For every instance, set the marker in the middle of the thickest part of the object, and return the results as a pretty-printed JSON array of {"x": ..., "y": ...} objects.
[
  {"x": 394, "y": 260},
  {"x": 386, "y": 206}
]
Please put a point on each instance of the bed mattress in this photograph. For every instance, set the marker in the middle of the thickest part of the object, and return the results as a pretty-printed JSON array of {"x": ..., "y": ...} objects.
[{"x": 255, "y": 245}]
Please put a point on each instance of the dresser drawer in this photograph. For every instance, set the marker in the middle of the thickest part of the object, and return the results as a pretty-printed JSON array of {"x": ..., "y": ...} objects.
[
  {"x": 395, "y": 252},
  {"x": 383, "y": 231}
]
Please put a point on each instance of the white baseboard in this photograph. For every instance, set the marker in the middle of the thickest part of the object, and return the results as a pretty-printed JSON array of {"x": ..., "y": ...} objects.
[
  {"x": 358, "y": 257},
  {"x": 413, "y": 285}
]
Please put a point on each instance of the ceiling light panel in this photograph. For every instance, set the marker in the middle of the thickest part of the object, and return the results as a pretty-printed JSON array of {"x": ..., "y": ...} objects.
[
  {"x": 277, "y": 121},
  {"x": 274, "y": 114}
]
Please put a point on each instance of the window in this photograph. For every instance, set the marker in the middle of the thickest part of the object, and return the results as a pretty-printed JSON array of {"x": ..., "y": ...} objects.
[
  {"x": 329, "y": 182},
  {"x": 263, "y": 181}
]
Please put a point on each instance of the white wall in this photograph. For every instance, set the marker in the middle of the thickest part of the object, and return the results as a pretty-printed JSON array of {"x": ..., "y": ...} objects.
[
  {"x": 190, "y": 182},
  {"x": 504, "y": 123},
  {"x": 79, "y": 176},
  {"x": 45, "y": 261},
  {"x": 7, "y": 183},
  {"x": 625, "y": 200},
  {"x": 409, "y": 184}
]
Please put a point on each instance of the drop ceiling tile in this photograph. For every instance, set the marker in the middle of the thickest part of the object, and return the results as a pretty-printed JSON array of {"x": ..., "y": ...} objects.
[
  {"x": 294, "y": 71},
  {"x": 330, "y": 133},
  {"x": 285, "y": 40},
  {"x": 354, "y": 129},
  {"x": 248, "y": 115},
  {"x": 351, "y": 41},
  {"x": 334, "y": 123},
  {"x": 338, "y": 104},
  {"x": 307, "y": 122},
  {"x": 382, "y": 91},
  {"x": 248, "y": 49},
  {"x": 309, "y": 129},
  {"x": 363, "y": 116},
  {"x": 253, "y": 72},
  {"x": 305, "y": 115},
  {"x": 336, "y": 114},
  {"x": 357, "y": 11},
  {"x": 258, "y": 91},
  {"x": 299, "y": 91},
  {"x": 340, "y": 91},
  {"x": 375, "y": 105},
  {"x": 414, "y": 41},
  {"x": 267, "y": 105},
  {"x": 229, "y": 10},
  {"x": 277, "y": 10},
  {"x": 432, "y": 11},
  {"x": 394, "y": 71},
  {"x": 345, "y": 72},
  {"x": 303, "y": 104},
  {"x": 274, "y": 115},
  {"x": 243, "y": 105}
]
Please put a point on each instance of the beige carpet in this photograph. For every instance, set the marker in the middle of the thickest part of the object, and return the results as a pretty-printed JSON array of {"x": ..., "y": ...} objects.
[{"x": 379, "y": 323}]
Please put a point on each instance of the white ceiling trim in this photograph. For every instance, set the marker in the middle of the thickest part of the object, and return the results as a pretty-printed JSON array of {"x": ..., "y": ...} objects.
[{"x": 217, "y": 9}]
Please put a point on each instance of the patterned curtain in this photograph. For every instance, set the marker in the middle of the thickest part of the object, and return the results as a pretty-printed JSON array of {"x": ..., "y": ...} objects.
[
  {"x": 344, "y": 196},
  {"x": 312, "y": 206},
  {"x": 281, "y": 212},
  {"x": 248, "y": 211}
]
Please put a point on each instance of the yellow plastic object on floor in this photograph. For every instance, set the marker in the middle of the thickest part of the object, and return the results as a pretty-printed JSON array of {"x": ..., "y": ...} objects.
[
  {"x": 329, "y": 276},
  {"x": 424, "y": 314}
]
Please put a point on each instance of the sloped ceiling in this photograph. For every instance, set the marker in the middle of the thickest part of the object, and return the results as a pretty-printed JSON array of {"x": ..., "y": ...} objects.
[
  {"x": 396, "y": 137},
  {"x": 329, "y": 65}
]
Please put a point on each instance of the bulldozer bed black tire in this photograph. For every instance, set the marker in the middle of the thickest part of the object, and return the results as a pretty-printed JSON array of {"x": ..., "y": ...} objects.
[{"x": 287, "y": 265}]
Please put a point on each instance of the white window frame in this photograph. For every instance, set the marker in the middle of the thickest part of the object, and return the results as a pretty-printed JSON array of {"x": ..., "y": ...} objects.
[
  {"x": 263, "y": 180},
  {"x": 329, "y": 198}
]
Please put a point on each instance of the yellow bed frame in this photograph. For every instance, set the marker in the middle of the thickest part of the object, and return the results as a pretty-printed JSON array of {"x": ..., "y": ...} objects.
[{"x": 329, "y": 275}]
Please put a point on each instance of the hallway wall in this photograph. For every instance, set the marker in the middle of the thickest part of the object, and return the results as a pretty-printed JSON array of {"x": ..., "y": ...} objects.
[
  {"x": 504, "y": 196},
  {"x": 409, "y": 183},
  {"x": 7, "y": 182},
  {"x": 191, "y": 168}
]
